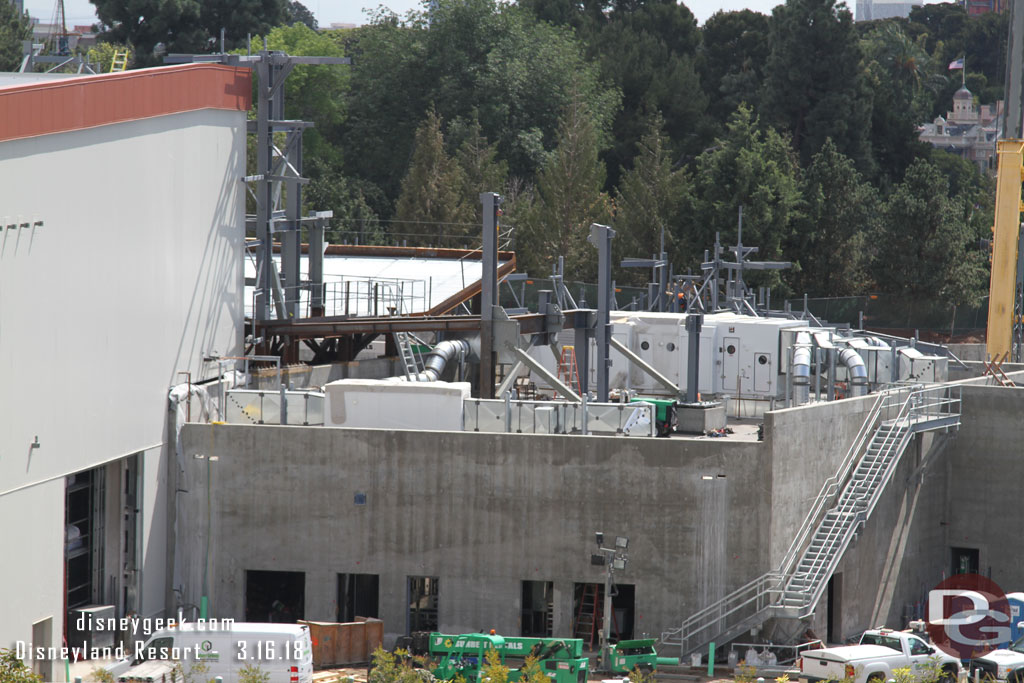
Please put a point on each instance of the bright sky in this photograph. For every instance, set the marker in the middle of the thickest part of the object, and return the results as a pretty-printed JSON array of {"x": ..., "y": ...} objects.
[{"x": 351, "y": 11}]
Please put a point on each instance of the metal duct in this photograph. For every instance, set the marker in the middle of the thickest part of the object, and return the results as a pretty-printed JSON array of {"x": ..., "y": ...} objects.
[
  {"x": 802, "y": 368},
  {"x": 858, "y": 373},
  {"x": 438, "y": 358}
]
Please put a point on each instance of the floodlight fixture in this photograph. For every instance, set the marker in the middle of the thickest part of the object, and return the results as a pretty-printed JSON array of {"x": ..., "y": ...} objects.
[
  {"x": 597, "y": 560},
  {"x": 619, "y": 563},
  {"x": 600, "y": 539},
  {"x": 621, "y": 542}
]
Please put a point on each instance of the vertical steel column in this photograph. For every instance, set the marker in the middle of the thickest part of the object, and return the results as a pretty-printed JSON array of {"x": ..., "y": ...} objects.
[
  {"x": 694, "y": 321},
  {"x": 601, "y": 237},
  {"x": 316, "y": 266},
  {"x": 488, "y": 292},
  {"x": 581, "y": 340},
  {"x": 291, "y": 237},
  {"x": 264, "y": 196}
]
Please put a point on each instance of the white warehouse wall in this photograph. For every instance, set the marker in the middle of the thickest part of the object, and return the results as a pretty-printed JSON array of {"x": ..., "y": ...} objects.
[{"x": 133, "y": 275}]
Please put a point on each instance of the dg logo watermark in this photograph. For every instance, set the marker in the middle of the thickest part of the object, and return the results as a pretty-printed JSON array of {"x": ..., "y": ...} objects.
[{"x": 968, "y": 616}]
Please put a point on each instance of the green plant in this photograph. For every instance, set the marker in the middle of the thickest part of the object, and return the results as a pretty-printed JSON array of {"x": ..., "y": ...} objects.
[
  {"x": 251, "y": 673},
  {"x": 493, "y": 670},
  {"x": 531, "y": 671},
  {"x": 784, "y": 678},
  {"x": 101, "y": 675},
  {"x": 194, "y": 674},
  {"x": 745, "y": 673},
  {"x": 638, "y": 675},
  {"x": 395, "y": 667},
  {"x": 13, "y": 670}
]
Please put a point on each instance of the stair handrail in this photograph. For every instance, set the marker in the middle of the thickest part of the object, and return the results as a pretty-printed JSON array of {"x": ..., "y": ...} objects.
[
  {"x": 753, "y": 591},
  {"x": 831, "y": 486},
  {"x": 915, "y": 403},
  {"x": 773, "y": 584}
]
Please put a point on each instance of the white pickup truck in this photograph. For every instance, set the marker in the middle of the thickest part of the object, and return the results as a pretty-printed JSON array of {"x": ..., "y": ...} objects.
[
  {"x": 1001, "y": 665},
  {"x": 879, "y": 653}
]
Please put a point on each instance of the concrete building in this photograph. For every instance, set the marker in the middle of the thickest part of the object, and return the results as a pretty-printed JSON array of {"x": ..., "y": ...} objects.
[
  {"x": 469, "y": 531},
  {"x": 121, "y": 238},
  {"x": 969, "y": 131},
  {"x": 870, "y": 10}
]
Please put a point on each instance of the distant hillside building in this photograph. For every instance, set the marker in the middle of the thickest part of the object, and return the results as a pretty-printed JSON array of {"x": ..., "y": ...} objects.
[
  {"x": 968, "y": 131},
  {"x": 974, "y": 7},
  {"x": 869, "y": 10}
]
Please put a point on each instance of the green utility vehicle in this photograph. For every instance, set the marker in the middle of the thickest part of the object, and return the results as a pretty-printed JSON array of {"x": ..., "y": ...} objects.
[
  {"x": 628, "y": 655},
  {"x": 664, "y": 413},
  {"x": 561, "y": 659}
]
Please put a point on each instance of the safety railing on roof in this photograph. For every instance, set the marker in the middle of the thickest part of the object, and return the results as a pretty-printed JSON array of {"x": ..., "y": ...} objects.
[{"x": 555, "y": 417}]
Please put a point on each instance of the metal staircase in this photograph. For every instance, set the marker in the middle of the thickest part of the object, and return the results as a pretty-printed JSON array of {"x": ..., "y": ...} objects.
[{"x": 841, "y": 509}]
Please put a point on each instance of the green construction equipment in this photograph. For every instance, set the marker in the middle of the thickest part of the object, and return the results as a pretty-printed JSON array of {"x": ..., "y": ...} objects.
[
  {"x": 628, "y": 655},
  {"x": 664, "y": 413},
  {"x": 561, "y": 659}
]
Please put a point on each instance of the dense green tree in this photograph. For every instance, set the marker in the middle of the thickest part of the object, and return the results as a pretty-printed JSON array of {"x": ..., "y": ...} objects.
[
  {"x": 476, "y": 59},
  {"x": 753, "y": 168},
  {"x": 652, "y": 199},
  {"x": 431, "y": 208},
  {"x": 903, "y": 85},
  {"x": 732, "y": 58},
  {"x": 814, "y": 86},
  {"x": 568, "y": 199},
  {"x": 13, "y": 670},
  {"x": 830, "y": 244},
  {"x": 184, "y": 25},
  {"x": 482, "y": 171},
  {"x": 295, "y": 11},
  {"x": 925, "y": 242},
  {"x": 14, "y": 28},
  {"x": 647, "y": 48}
]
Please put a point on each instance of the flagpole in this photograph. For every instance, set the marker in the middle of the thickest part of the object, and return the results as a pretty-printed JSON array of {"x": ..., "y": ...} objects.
[{"x": 963, "y": 72}]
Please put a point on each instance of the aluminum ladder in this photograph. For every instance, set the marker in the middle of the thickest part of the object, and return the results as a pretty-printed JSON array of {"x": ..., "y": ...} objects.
[
  {"x": 412, "y": 361},
  {"x": 843, "y": 506}
]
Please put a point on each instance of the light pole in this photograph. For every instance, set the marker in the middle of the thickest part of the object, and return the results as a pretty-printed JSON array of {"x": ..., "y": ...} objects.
[{"x": 612, "y": 559}]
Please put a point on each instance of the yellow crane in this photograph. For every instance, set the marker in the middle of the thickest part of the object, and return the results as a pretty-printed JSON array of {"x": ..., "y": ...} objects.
[{"x": 1006, "y": 283}]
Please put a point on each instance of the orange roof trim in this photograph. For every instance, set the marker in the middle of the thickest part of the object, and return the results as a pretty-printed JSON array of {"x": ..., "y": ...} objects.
[{"x": 90, "y": 101}]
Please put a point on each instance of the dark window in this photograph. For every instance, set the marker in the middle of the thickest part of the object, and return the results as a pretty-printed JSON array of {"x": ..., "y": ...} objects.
[
  {"x": 730, "y": 349},
  {"x": 358, "y": 596},
  {"x": 275, "y": 596},
  {"x": 538, "y": 609},
  {"x": 965, "y": 560},
  {"x": 645, "y": 345},
  {"x": 423, "y": 593}
]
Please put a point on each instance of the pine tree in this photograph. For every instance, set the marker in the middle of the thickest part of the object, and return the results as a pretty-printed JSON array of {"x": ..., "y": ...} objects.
[
  {"x": 14, "y": 28},
  {"x": 924, "y": 242},
  {"x": 830, "y": 247},
  {"x": 482, "y": 171},
  {"x": 430, "y": 201},
  {"x": 651, "y": 199},
  {"x": 568, "y": 199},
  {"x": 814, "y": 85}
]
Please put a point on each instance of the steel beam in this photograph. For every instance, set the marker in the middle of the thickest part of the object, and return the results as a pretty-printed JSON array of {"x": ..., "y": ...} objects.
[{"x": 601, "y": 237}]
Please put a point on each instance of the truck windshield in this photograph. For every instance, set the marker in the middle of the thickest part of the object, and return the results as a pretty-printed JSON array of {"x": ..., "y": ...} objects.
[
  {"x": 890, "y": 642},
  {"x": 1018, "y": 645}
]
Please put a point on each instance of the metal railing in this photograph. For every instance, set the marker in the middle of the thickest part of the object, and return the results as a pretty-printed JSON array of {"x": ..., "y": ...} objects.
[
  {"x": 345, "y": 295},
  {"x": 557, "y": 417},
  {"x": 253, "y": 406},
  {"x": 895, "y": 415}
]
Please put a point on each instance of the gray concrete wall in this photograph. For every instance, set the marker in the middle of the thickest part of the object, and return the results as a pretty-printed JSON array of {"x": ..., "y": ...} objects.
[
  {"x": 482, "y": 512},
  {"x": 986, "y": 475},
  {"x": 808, "y": 444}
]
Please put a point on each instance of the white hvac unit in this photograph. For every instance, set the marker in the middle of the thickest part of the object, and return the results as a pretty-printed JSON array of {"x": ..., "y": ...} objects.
[{"x": 918, "y": 367}]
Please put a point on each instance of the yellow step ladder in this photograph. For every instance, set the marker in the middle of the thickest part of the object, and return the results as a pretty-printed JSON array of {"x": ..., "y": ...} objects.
[{"x": 120, "y": 61}]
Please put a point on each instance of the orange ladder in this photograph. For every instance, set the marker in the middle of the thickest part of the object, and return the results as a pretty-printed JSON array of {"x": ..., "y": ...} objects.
[{"x": 567, "y": 370}]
